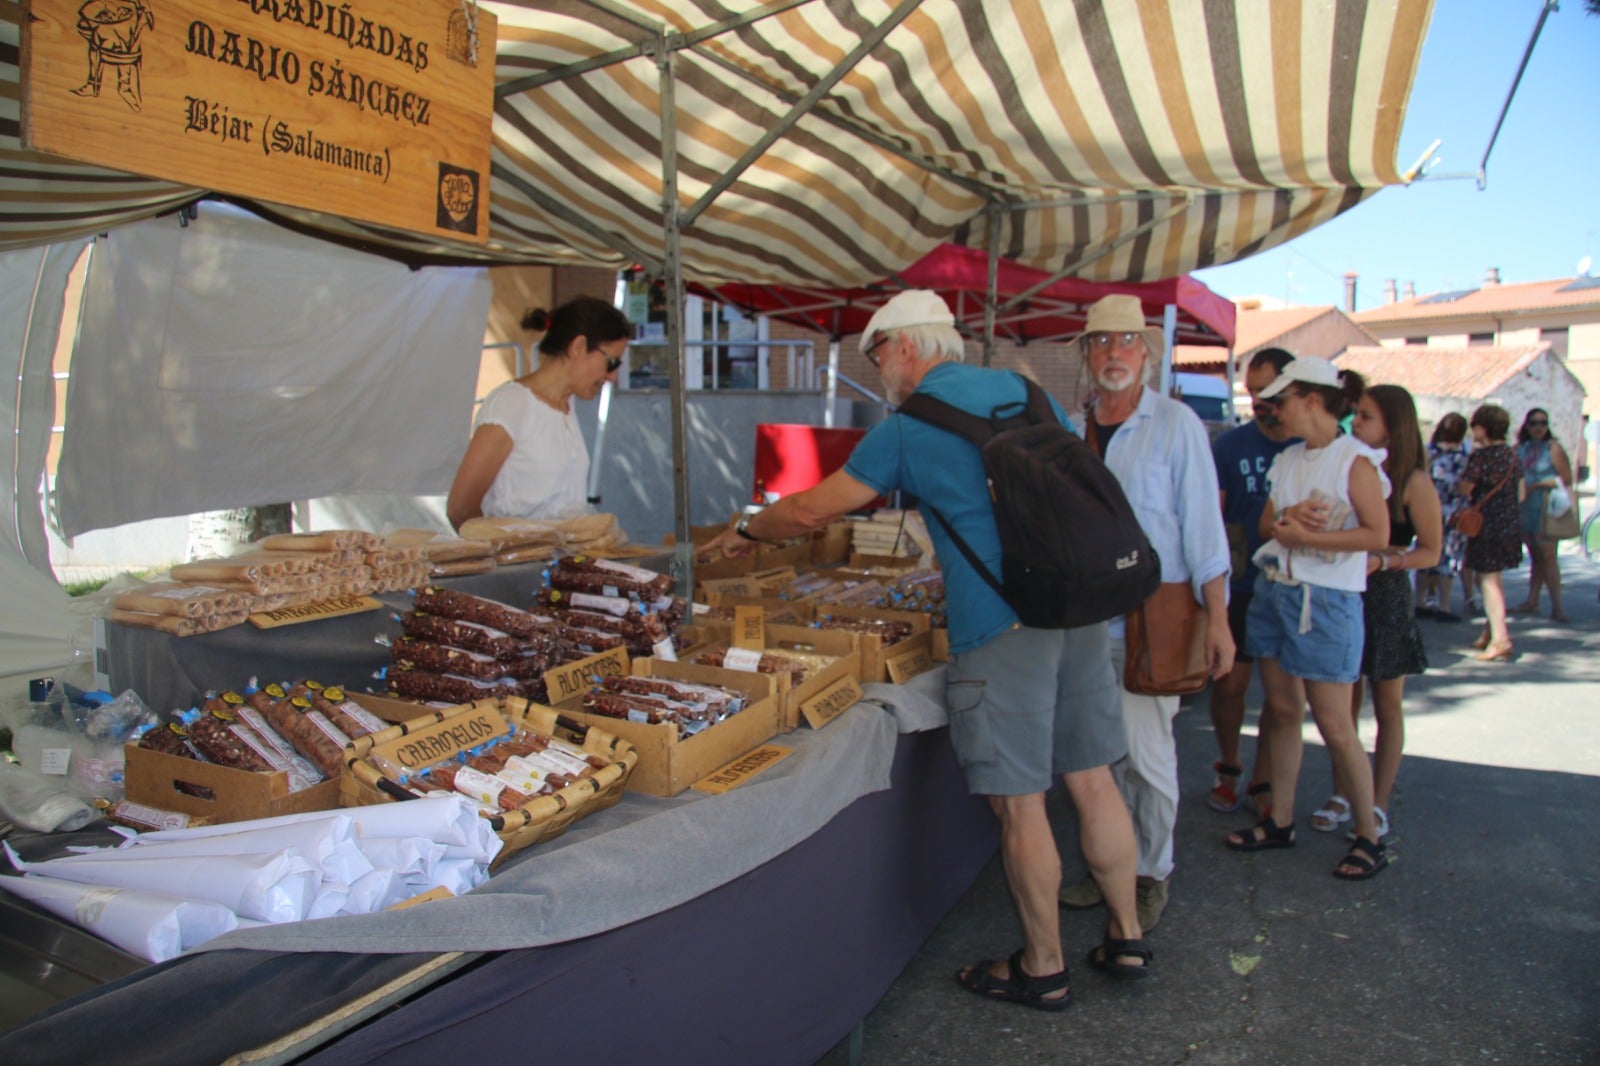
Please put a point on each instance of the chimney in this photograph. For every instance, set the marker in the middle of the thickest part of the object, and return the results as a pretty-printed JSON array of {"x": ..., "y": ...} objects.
[
  {"x": 1491, "y": 276},
  {"x": 1388, "y": 291},
  {"x": 1350, "y": 291},
  {"x": 1410, "y": 291}
]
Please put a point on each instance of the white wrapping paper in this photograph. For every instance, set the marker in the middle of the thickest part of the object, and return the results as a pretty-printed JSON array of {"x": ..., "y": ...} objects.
[
  {"x": 145, "y": 924},
  {"x": 278, "y": 887}
]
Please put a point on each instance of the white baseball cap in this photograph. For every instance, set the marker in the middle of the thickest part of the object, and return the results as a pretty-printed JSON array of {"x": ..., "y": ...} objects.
[
  {"x": 913, "y": 307},
  {"x": 1307, "y": 369}
]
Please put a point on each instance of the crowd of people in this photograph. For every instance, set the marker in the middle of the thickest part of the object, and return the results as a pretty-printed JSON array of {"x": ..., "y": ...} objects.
[{"x": 1298, "y": 536}]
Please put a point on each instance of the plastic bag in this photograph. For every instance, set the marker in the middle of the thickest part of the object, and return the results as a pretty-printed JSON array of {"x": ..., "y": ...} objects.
[
  {"x": 34, "y": 801},
  {"x": 1558, "y": 502}
]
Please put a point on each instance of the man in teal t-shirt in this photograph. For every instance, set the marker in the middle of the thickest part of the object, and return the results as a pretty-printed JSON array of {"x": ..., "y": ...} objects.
[{"x": 1026, "y": 705}]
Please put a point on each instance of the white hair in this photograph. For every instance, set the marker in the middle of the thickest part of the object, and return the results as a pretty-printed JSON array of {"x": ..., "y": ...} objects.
[{"x": 936, "y": 343}]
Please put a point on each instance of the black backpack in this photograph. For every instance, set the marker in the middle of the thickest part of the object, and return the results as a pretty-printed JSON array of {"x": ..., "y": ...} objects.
[{"x": 1072, "y": 551}]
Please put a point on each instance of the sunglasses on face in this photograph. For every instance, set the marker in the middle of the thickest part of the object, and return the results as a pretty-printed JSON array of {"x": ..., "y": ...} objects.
[
  {"x": 1537, "y": 422},
  {"x": 1102, "y": 341}
]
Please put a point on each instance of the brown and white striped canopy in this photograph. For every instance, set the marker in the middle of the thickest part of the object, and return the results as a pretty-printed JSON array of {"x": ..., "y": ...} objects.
[{"x": 1124, "y": 140}]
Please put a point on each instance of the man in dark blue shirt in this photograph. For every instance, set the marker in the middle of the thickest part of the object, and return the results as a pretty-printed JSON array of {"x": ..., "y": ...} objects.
[{"x": 1243, "y": 457}]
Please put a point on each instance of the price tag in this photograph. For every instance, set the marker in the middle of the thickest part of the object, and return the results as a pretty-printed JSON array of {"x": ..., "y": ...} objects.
[
  {"x": 720, "y": 589},
  {"x": 742, "y": 769},
  {"x": 750, "y": 628},
  {"x": 574, "y": 679},
  {"x": 747, "y": 660},
  {"x": 905, "y": 666},
  {"x": 831, "y": 702},
  {"x": 55, "y": 760}
]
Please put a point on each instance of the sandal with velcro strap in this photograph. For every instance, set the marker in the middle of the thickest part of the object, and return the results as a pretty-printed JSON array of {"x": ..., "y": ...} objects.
[
  {"x": 1222, "y": 797},
  {"x": 1263, "y": 836},
  {"x": 1368, "y": 857},
  {"x": 1104, "y": 958},
  {"x": 1018, "y": 986}
]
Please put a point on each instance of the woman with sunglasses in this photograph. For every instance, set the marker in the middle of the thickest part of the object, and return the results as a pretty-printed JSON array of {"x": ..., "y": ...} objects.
[
  {"x": 527, "y": 457},
  {"x": 1325, "y": 512},
  {"x": 1545, "y": 467}
]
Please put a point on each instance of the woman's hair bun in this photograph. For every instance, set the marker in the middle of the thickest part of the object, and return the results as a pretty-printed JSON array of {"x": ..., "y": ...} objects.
[{"x": 537, "y": 320}]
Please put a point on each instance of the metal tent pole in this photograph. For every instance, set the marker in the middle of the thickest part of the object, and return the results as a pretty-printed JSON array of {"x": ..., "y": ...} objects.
[
  {"x": 991, "y": 298},
  {"x": 672, "y": 273},
  {"x": 1169, "y": 333}
]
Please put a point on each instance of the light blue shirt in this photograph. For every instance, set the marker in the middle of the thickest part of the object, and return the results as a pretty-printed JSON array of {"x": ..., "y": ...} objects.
[{"x": 1162, "y": 458}]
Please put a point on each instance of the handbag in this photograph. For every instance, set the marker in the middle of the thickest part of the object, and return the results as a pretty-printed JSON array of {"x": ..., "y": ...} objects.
[
  {"x": 1166, "y": 644},
  {"x": 1561, "y": 526},
  {"x": 1469, "y": 520}
]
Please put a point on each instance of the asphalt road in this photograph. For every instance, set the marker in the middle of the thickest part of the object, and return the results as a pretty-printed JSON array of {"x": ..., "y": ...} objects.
[{"x": 1479, "y": 944}]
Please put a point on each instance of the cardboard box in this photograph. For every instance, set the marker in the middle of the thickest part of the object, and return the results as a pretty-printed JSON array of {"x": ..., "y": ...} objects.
[
  {"x": 669, "y": 763},
  {"x": 914, "y": 655},
  {"x": 153, "y": 778},
  {"x": 858, "y": 561},
  {"x": 841, "y": 646},
  {"x": 769, "y": 556},
  {"x": 831, "y": 544},
  {"x": 941, "y": 644},
  {"x": 391, "y": 708}
]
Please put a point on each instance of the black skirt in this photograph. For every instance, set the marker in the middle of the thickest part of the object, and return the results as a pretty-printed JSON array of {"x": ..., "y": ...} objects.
[{"x": 1394, "y": 643}]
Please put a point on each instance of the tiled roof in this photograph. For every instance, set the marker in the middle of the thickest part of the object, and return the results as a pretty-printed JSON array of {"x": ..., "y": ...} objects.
[
  {"x": 1490, "y": 300},
  {"x": 1257, "y": 329},
  {"x": 1472, "y": 372}
]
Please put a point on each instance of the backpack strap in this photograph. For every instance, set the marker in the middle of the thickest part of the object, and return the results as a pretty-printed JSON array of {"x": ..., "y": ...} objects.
[{"x": 977, "y": 430}]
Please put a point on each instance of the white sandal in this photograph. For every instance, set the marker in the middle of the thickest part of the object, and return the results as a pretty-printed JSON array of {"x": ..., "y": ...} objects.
[
  {"x": 1332, "y": 815},
  {"x": 1381, "y": 818}
]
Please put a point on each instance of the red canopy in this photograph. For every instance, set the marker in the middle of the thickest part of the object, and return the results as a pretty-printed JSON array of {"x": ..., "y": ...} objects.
[{"x": 960, "y": 275}]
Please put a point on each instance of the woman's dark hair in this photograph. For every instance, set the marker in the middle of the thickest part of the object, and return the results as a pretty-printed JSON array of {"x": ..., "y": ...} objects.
[
  {"x": 1495, "y": 421},
  {"x": 1549, "y": 431},
  {"x": 1406, "y": 454},
  {"x": 1452, "y": 429},
  {"x": 585, "y": 316},
  {"x": 1339, "y": 400}
]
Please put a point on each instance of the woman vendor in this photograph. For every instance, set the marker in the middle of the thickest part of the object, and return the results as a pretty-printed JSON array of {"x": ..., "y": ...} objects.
[{"x": 527, "y": 457}]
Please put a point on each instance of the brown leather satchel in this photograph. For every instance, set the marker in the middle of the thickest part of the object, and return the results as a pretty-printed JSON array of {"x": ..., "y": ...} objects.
[
  {"x": 1469, "y": 520},
  {"x": 1166, "y": 644}
]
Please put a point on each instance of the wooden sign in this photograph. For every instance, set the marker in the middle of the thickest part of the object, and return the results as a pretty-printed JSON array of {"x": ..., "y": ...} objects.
[
  {"x": 742, "y": 769},
  {"x": 475, "y": 724},
  {"x": 831, "y": 702},
  {"x": 436, "y": 892},
  {"x": 376, "y": 110},
  {"x": 905, "y": 666},
  {"x": 749, "y": 628},
  {"x": 288, "y": 616},
  {"x": 718, "y": 588},
  {"x": 574, "y": 679}
]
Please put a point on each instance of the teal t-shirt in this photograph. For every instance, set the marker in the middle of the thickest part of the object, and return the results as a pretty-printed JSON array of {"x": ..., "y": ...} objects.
[{"x": 944, "y": 471}]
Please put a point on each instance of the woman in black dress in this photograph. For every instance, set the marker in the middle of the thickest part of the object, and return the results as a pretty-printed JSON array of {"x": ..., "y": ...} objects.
[
  {"x": 1493, "y": 482},
  {"x": 1386, "y": 418}
]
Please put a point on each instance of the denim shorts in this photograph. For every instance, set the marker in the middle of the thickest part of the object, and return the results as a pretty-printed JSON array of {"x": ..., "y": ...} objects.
[
  {"x": 1331, "y": 651},
  {"x": 1033, "y": 704}
]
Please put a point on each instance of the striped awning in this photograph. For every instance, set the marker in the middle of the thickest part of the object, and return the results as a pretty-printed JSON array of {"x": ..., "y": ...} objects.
[{"x": 1132, "y": 140}]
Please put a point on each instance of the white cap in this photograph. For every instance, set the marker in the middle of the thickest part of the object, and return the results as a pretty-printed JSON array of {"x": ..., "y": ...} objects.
[
  {"x": 913, "y": 307},
  {"x": 1307, "y": 369}
]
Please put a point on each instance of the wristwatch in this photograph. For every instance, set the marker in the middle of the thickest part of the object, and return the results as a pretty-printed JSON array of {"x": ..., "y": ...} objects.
[{"x": 742, "y": 527}]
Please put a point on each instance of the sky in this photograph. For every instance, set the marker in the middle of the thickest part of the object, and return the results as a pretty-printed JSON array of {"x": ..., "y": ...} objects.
[{"x": 1539, "y": 213}]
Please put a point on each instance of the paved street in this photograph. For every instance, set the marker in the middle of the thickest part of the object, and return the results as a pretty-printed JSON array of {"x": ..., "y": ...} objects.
[{"x": 1480, "y": 943}]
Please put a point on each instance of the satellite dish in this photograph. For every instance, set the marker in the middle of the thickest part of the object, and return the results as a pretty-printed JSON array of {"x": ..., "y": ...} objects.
[{"x": 1583, "y": 266}]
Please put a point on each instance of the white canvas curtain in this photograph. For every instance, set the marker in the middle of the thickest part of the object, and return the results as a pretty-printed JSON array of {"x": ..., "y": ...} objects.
[{"x": 229, "y": 362}]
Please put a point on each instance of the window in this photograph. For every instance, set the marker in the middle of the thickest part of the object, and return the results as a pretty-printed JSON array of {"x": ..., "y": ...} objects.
[
  {"x": 1478, "y": 340},
  {"x": 1420, "y": 342},
  {"x": 1556, "y": 337}
]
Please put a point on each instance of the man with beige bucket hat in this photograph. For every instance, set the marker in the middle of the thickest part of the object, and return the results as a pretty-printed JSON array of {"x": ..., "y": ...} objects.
[{"x": 1160, "y": 454}]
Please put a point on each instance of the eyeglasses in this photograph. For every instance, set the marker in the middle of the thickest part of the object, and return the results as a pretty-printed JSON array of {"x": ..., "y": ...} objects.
[
  {"x": 1538, "y": 422},
  {"x": 1106, "y": 340},
  {"x": 871, "y": 350},
  {"x": 612, "y": 364}
]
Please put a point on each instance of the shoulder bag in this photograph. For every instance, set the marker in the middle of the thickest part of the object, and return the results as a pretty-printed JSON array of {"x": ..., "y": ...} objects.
[
  {"x": 1469, "y": 520},
  {"x": 1166, "y": 643},
  {"x": 1559, "y": 524}
]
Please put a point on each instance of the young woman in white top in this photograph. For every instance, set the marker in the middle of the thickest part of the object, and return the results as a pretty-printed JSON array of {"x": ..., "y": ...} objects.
[
  {"x": 527, "y": 457},
  {"x": 1325, "y": 512}
]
